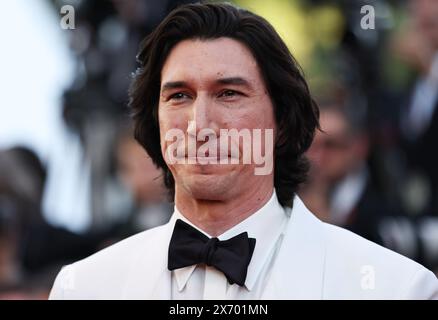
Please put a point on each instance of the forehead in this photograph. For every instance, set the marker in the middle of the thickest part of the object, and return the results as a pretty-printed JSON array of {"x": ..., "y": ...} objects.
[
  {"x": 333, "y": 122},
  {"x": 215, "y": 58}
]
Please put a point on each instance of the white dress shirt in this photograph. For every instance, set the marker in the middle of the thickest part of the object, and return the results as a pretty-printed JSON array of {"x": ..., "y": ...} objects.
[{"x": 204, "y": 282}]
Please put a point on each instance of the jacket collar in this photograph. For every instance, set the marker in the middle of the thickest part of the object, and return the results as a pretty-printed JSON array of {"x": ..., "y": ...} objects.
[{"x": 297, "y": 273}]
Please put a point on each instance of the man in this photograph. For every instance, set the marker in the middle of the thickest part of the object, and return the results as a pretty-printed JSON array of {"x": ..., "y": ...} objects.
[{"x": 236, "y": 233}]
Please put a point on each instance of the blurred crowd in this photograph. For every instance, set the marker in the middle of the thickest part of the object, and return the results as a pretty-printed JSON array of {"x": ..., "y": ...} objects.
[{"x": 373, "y": 163}]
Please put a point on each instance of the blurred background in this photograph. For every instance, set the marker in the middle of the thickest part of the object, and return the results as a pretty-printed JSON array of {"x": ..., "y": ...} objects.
[{"x": 73, "y": 180}]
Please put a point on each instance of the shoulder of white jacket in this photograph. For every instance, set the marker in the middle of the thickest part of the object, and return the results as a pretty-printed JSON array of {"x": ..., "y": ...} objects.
[
  {"x": 109, "y": 267},
  {"x": 342, "y": 243},
  {"x": 394, "y": 275},
  {"x": 355, "y": 245},
  {"x": 350, "y": 258},
  {"x": 123, "y": 253},
  {"x": 143, "y": 241}
]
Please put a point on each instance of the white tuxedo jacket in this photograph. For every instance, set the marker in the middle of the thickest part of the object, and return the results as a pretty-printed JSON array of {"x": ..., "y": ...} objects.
[{"x": 316, "y": 261}]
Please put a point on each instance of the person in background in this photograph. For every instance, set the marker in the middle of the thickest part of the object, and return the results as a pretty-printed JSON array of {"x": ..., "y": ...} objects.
[
  {"x": 31, "y": 250},
  {"x": 411, "y": 155},
  {"x": 417, "y": 46},
  {"x": 341, "y": 189},
  {"x": 144, "y": 181}
]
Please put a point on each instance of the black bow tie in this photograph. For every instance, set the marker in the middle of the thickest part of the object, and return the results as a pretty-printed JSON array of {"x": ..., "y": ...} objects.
[{"x": 188, "y": 247}]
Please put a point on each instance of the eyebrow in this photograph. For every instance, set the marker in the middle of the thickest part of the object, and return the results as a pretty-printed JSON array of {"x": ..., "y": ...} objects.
[
  {"x": 231, "y": 80},
  {"x": 173, "y": 85},
  {"x": 235, "y": 81}
]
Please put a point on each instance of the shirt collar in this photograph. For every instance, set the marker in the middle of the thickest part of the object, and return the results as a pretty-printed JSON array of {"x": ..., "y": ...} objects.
[{"x": 270, "y": 217}]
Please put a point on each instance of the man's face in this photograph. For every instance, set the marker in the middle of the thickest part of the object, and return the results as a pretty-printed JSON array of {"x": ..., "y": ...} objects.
[
  {"x": 217, "y": 84},
  {"x": 425, "y": 13},
  {"x": 139, "y": 173},
  {"x": 334, "y": 152}
]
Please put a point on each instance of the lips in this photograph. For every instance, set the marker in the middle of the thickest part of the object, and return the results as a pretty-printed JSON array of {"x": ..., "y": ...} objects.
[{"x": 208, "y": 159}]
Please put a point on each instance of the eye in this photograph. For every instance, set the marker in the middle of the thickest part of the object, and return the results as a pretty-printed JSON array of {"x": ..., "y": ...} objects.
[
  {"x": 229, "y": 93},
  {"x": 178, "y": 96}
]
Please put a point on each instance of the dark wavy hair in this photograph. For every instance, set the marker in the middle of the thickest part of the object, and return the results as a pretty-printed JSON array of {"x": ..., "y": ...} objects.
[{"x": 296, "y": 113}]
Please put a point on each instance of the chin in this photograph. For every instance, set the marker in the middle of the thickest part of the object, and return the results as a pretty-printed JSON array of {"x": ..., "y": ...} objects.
[{"x": 208, "y": 186}]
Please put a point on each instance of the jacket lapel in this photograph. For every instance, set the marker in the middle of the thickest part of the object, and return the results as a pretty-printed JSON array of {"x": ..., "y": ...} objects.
[{"x": 298, "y": 272}]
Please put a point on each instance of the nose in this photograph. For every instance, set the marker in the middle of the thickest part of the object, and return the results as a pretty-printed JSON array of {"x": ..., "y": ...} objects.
[{"x": 203, "y": 116}]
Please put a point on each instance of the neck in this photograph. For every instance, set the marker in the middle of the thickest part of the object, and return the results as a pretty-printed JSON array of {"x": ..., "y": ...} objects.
[{"x": 217, "y": 216}]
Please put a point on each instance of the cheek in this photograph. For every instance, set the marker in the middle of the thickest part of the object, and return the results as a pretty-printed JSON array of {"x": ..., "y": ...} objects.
[
  {"x": 264, "y": 114},
  {"x": 164, "y": 120},
  {"x": 168, "y": 121},
  {"x": 173, "y": 126},
  {"x": 173, "y": 118},
  {"x": 256, "y": 116}
]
